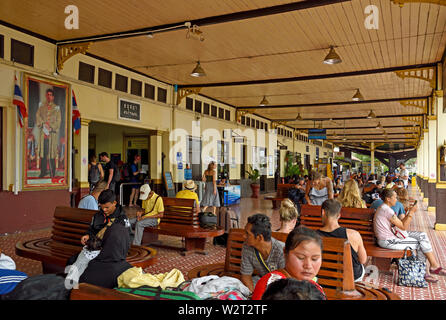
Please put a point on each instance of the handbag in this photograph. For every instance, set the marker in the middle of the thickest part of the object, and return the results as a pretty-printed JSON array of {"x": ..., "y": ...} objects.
[
  {"x": 411, "y": 271},
  {"x": 207, "y": 220},
  {"x": 400, "y": 234}
]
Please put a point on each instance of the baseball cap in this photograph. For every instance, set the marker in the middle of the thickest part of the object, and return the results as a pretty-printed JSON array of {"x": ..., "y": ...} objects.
[{"x": 144, "y": 192}]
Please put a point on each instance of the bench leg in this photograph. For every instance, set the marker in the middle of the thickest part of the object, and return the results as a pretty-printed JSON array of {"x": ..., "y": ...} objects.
[
  {"x": 276, "y": 204},
  {"x": 149, "y": 238},
  {"x": 194, "y": 245},
  {"x": 383, "y": 264}
]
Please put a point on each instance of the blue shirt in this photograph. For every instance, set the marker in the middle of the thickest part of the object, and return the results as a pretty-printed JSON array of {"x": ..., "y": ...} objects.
[
  {"x": 398, "y": 207},
  {"x": 9, "y": 279},
  {"x": 88, "y": 202}
]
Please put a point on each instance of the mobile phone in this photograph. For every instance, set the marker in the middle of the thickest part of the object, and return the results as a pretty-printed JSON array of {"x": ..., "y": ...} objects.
[{"x": 415, "y": 203}]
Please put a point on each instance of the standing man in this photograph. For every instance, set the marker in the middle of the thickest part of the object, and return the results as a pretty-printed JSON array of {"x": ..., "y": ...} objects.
[
  {"x": 260, "y": 251},
  {"x": 110, "y": 171},
  {"x": 48, "y": 119},
  {"x": 153, "y": 210},
  {"x": 404, "y": 174}
]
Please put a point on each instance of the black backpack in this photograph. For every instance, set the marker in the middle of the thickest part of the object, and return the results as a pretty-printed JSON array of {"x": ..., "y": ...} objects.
[
  {"x": 40, "y": 287},
  {"x": 126, "y": 171},
  {"x": 94, "y": 175}
]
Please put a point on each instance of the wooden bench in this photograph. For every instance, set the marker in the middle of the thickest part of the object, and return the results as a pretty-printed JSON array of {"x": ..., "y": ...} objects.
[
  {"x": 180, "y": 219},
  {"x": 335, "y": 275},
  {"x": 360, "y": 220},
  {"x": 69, "y": 225},
  {"x": 281, "y": 193}
]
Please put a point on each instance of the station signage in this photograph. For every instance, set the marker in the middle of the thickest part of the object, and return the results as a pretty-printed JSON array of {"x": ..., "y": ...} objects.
[{"x": 129, "y": 110}]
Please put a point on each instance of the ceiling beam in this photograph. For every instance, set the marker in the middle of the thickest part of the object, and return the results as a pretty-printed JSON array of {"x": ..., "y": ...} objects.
[
  {"x": 353, "y": 118},
  {"x": 369, "y": 134},
  {"x": 353, "y": 128},
  {"x": 328, "y": 104},
  {"x": 207, "y": 21},
  {"x": 307, "y": 78}
]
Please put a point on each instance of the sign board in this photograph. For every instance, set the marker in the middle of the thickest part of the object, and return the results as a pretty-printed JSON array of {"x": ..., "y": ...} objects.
[
  {"x": 283, "y": 148},
  {"x": 168, "y": 181},
  {"x": 231, "y": 195},
  {"x": 129, "y": 110},
  {"x": 339, "y": 155},
  {"x": 320, "y": 134},
  {"x": 187, "y": 174},
  {"x": 239, "y": 139}
]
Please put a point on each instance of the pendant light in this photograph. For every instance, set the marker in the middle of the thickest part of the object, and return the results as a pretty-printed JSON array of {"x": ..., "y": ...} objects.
[
  {"x": 358, "y": 96},
  {"x": 298, "y": 118},
  {"x": 264, "y": 102},
  {"x": 198, "y": 71},
  {"x": 379, "y": 126},
  {"x": 371, "y": 115},
  {"x": 332, "y": 57}
]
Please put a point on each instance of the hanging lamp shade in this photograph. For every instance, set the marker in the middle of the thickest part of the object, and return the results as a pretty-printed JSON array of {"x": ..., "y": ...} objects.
[
  {"x": 379, "y": 126},
  {"x": 298, "y": 118},
  {"x": 198, "y": 71},
  {"x": 264, "y": 102},
  {"x": 371, "y": 115},
  {"x": 358, "y": 96},
  {"x": 332, "y": 57}
]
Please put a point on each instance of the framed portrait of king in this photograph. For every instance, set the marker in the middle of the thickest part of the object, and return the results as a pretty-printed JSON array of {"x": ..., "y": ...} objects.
[{"x": 46, "y": 160}]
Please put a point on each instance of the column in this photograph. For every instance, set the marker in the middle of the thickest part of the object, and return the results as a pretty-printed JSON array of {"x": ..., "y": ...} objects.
[
  {"x": 432, "y": 164},
  {"x": 156, "y": 147},
  {"x": 372, "y": 158},
  {"x": 80, "y": 172},
  {"x": 440, "y": 207},
  {"x": 425, "y": 133}
]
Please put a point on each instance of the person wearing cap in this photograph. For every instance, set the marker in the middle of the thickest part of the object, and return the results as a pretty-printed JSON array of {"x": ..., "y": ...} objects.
[
  {"x": 153, "y": 209},
  {"x": 189, "y": 192}
]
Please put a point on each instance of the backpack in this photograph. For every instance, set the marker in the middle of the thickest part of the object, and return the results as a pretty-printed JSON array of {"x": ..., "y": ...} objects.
[
  {"x": 116, "y": 174},
  {"x": 126, "y": 171},
  {"x": 94, "y": 175},
  {"x": 40, "y": 287}
]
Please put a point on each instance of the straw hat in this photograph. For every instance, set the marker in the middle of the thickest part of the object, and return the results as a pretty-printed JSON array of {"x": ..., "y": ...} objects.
[
  {"x": 190, "y": 185},
  {"x": 144, "y": 192}
]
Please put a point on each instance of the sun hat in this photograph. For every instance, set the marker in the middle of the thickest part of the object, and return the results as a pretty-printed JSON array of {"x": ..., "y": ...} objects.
[
  {"x": 190, "y": 185},
  {"x": 144, "y": 192}
]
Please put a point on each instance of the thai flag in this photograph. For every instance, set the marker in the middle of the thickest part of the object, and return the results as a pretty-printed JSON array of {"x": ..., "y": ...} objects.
[
  {"x": 75, "y": 114},
  {"x": 18, "y": 101}
]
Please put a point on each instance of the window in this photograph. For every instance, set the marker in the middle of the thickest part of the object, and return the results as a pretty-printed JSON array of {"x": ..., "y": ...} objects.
[
  {"x": 227, "y": 115},
  {"x": 206, "y": 108},
  {"x": 261, "y": 125},
  {"x": 104, "y": 78},
  {"x": 189, "y": 103},
  {"x": 266, "y": 126},
  {"x": 136, "y": 87},
  {"x": 243, "y": 120},
  {"x": 2, "y": 46},
  {"x": 257, "y": 124},
  {"x": 86, "y": 72},
  {"x": 194, "y": 157},
  {"x": 149, "y": 91},
  {"x": 162, "y": 95},
  {"x": 121, "y": 83},
  {"x": 248, "y": 121},
  {"x": 253, "y": 123},
  {"x": 22, "y": 53},
  {"x": 213, "y": 111},
  {"x": 221, "y": 113},
  {"x": 197, "y": 106}
]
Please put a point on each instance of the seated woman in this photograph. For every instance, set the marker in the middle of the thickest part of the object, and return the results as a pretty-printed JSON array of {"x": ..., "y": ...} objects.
[
  {"x": 105, "y": 269},
  {"x": 318, "y": 189},
  {"x": 303, "y": 259},
  {"x": 338, "y": 185},
  {"x": 288, "y": 216},
  {"x": 383, "y": 221},
  {"x": 350, "y": 196},
  {"x": 403, "y": 197}
]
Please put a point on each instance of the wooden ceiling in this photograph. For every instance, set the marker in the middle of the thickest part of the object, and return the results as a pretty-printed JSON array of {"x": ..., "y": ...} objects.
[{"x": 269, "y": 48}]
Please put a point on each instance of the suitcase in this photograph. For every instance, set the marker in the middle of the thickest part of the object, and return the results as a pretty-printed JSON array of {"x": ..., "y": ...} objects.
[{"x": 228, "y": 218}]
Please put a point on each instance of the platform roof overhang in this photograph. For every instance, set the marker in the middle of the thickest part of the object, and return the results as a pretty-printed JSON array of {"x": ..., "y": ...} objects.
[{"x": 272, "y": 48}]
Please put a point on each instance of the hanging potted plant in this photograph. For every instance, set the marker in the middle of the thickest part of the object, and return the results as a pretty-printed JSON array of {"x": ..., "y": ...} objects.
[{"x": 253, "y": 175}]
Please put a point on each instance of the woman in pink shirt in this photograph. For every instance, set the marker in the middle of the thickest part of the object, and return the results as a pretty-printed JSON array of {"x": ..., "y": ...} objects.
[{"x": 385, "y": 218}]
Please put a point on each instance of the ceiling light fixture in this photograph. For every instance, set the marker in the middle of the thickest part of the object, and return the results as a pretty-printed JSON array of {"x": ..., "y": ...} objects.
[
  {"x": 371, "y": 115},
  {"x": 198, "y": 71},
  {"x": 379, "y": 126},
  {"x": 264, "y": 102},
  {"x": 358, "y": 96},
  {"x": 299, "y": 118},
  {"x": 332, "y": 57},
  {"x": 150, "y": 35}
]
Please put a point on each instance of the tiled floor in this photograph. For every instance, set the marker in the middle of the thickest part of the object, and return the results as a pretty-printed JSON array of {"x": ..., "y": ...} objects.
[{"x": 170, "y": 258}]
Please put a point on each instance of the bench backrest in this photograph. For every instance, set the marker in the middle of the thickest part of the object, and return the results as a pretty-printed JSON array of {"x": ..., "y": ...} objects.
[
  {"x": 335, "y": 275},
  {"x": 358, "y": 219},
  {"x": 69, "y": 225},
  {"x": 180, "y": 212},
  {"x": 282, "y": 189}
]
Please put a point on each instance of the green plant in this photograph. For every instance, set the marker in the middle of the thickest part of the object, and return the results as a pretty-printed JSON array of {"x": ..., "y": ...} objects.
[
  {"x": 253, "y": 174},
  {"x": 290, "y": 169}
]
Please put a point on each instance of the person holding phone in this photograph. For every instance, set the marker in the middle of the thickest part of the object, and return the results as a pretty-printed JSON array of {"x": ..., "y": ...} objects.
[{"x": 383, "y": 222}]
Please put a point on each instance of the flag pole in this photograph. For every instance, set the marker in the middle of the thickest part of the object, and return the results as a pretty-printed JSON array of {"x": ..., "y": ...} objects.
[{"x": 70, "y": 147}]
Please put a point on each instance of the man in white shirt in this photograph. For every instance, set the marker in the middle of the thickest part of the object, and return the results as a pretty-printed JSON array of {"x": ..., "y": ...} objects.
[{"x": 404, "y": 174}]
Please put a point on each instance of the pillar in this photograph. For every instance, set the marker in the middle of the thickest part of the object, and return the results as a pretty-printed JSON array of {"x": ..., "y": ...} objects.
[
  {"x": 440, "y": 207},
  {"x": 432, "y": 164},
  {"x": 372, "y": 158},
  {"x": 156, "y": 147},
  {"x": 80, "y": 172},
  {"x": 425, "y": 133}
]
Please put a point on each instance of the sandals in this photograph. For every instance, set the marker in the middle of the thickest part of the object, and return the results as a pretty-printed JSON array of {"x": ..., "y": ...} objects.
[
  {"x": 439, "y": 271},
  {"x": 430, "y": 279}
]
